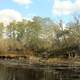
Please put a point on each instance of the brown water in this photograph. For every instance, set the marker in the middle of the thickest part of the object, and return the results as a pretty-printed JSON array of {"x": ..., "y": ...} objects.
[{"x": 40, "y": 73}]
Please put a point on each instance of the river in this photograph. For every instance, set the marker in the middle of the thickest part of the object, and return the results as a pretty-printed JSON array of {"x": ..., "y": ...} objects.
[{"x": 18, "y": 71}]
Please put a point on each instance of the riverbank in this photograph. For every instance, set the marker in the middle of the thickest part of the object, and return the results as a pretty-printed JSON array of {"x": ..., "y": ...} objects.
[{"x": 37, "y": 62}]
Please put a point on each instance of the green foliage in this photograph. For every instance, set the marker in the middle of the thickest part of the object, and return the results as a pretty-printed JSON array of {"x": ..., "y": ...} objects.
[{"x": 40, "y": 34}]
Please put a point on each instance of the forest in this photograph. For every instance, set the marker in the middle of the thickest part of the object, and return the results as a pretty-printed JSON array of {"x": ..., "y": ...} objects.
[{"x": 41, "y": 37}]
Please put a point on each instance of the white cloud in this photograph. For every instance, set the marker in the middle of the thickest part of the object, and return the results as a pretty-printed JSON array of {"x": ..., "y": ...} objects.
[
  {"x": 77, "y": 5},
  {"x": 23, "y": 2},
  {"x": 65, "y": 7},
  {"x": 8, "y": 15},
  {"x": 62, "y": 7}
]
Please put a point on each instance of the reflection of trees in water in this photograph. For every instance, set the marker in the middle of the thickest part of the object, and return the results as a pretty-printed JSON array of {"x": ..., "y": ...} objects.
[{"x": 59, "y": 73}]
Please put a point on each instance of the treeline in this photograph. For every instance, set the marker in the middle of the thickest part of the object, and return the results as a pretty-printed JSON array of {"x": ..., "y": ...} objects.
[{"x": 39, "y": 35}]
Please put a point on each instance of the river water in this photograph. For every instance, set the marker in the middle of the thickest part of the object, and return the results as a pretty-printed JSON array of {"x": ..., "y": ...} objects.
[{"x": 39, "y": 72}]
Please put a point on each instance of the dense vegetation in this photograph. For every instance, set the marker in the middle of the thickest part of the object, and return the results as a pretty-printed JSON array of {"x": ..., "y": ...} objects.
[{"x": 39, "y": 36}]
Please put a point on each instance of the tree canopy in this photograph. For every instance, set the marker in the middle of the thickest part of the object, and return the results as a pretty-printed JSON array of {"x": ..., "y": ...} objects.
[{"x": 40, "y": 34}]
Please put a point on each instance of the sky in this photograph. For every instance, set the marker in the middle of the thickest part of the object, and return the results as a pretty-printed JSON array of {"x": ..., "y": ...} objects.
[{"x": 55, "y": 9}]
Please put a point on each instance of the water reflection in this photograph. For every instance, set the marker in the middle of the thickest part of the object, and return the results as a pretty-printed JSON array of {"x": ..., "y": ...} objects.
[{"x": 10, "y": 73}]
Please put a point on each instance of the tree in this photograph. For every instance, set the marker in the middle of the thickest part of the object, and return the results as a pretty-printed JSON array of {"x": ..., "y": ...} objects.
[
  {"x": 74, "y": 29},
  {"x": 11, "y": 30},
  {"x": 32, "y": 31},
  {"x": 1, "y": 30}
]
